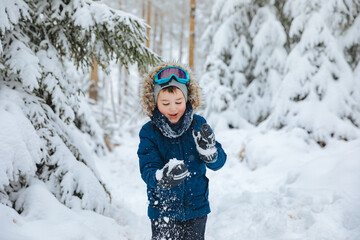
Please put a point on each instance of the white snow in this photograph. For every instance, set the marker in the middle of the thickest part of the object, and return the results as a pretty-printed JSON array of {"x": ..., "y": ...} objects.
[
  {"x": 171, "y": 164},
  {"x": 19, "y": 143},
  {"x": 276, "y": 185},
  {"x": 45, "y": 218},
  {"x": 283, "y": 187}
]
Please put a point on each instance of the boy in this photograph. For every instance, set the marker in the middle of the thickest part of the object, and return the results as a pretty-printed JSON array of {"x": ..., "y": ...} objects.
[{"x": 175, "y": 148}]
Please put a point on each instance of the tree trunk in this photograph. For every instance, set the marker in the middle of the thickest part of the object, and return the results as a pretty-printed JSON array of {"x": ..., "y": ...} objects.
[
  {"x": 181, "y": 31},
  {"x": 155, "y": 31},
  {"x": 107, "y": 142},
  {"x": 113, "y": 100},
  {"x": 192, "y": 33},
  {"x": 171, "y": 40},
  {"x": 143, "y": 12},
  {"x": 160, "y": 47},
  {"x": 148, "y": 22},
  {"x": 94, "y": 79},
  {"x": 119, "y": 85}
]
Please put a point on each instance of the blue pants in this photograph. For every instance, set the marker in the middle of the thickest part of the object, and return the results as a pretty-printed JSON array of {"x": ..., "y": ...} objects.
[{"x": 193, "y": 229}]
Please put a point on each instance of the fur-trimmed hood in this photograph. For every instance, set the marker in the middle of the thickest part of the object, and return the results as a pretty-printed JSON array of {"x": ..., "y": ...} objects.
[{"x": 147, "y": 88}]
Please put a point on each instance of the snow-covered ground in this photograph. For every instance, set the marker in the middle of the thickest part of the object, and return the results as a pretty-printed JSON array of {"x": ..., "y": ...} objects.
[{"x": 284, "y": 187}]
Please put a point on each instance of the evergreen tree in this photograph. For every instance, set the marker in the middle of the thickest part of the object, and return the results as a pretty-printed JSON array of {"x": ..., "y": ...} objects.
[
  {"x": 228, "y": 46},
  {"x": 317, "y": 93},
  {"x": 268, "y": 58},
  {"x": 57, "y": 139},
  {"x": 245, "y": 63},
  {"x": 346, "y": 27},
  {"x": 344, "y": 19}
]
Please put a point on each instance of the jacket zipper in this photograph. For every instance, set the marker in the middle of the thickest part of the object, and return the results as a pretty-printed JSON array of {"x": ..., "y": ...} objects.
[{"x": 182, "y": 154}]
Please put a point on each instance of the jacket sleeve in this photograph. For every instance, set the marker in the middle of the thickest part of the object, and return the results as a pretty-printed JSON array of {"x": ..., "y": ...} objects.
[
  {"x": 220, "y": 160},
  {"x": 149, "y": 158}
]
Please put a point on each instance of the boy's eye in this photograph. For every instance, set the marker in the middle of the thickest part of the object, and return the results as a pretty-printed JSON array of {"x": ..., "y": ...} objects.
[
  {"x": 178, "y": 102},
  {"x": 165, "y": 104}
]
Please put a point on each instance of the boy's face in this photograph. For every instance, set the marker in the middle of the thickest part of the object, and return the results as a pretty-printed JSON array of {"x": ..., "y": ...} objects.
[{"x": 171, "y": 105}]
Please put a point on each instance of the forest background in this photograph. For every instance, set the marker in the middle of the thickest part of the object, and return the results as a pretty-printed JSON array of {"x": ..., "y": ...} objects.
[
  {"x": 280, "y": 76},
  {"x": 279, "y": 61}
]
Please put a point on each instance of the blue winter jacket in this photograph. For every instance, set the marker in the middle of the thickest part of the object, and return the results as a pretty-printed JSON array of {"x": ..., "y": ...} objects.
[{"x": 190, "y": 199}]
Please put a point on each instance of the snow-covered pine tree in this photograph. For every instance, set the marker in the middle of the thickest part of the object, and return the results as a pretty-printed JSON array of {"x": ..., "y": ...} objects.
[
  {"x": 47, "y": 131},
  {"x": 227, "y": 44},
  {"x": 345, "y": 24},
  {"x": 317, "y": 91},
  {"x": 244, "y": 66},
  {"x": 268, "y": 58}
]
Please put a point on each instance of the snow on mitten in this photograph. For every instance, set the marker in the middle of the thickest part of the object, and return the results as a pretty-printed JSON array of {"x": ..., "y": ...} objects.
[
  {"x": 172, "y": 174},
  {"x": 205, "y": 143}
]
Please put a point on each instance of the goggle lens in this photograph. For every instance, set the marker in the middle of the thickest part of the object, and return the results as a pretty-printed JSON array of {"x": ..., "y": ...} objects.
[{"x": 166, "y": 74}]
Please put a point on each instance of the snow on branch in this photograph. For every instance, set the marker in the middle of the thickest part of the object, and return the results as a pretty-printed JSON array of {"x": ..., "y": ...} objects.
[{"x": 54, "y": 136}]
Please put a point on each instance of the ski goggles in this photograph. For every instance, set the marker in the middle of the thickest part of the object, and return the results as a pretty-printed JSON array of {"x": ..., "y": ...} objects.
[{"x": 167, "y": 73}]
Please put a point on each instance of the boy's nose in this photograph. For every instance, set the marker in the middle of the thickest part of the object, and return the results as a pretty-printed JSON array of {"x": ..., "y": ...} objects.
[{"x": 172, "y": 108}]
